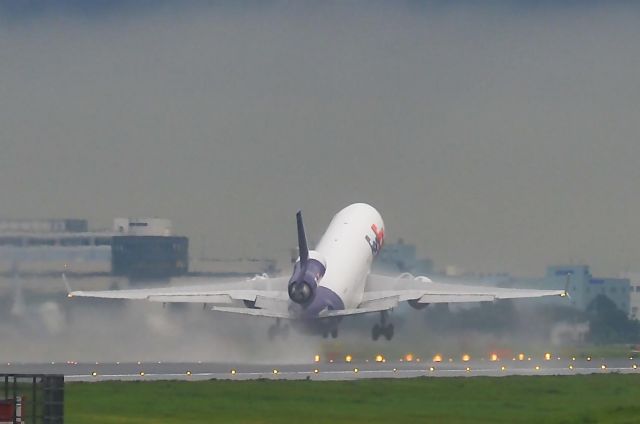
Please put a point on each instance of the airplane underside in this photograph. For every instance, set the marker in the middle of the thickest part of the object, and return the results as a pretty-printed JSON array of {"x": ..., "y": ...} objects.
[{"x": 328, "y": 327}]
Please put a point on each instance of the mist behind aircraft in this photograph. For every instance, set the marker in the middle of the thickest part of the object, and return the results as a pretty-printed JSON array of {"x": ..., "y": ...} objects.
[{"x": 496, "y": 138}]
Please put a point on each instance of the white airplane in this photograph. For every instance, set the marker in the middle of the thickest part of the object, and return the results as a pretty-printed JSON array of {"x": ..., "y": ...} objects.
[{"x": 328, "y": 283}]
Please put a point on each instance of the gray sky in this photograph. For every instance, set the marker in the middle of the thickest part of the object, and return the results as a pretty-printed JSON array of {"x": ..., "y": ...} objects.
[{"x": 503, "y": 138}]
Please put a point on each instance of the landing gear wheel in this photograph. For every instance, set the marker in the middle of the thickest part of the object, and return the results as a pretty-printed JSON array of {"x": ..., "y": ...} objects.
[
  {"x": 388, "y": 332},
  {"x": 273, "y": 330},
  {"x": 375, "y": 332},
  {"x": 334, "y": 333}
]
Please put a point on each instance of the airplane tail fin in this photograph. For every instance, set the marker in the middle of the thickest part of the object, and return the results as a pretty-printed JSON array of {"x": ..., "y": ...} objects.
[{"x": 302, "y": 240}]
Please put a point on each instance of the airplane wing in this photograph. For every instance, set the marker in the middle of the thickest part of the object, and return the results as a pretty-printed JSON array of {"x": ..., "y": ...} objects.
[
  {"x": 261, "y": 289},
  {"x": 381, "y": 289}
]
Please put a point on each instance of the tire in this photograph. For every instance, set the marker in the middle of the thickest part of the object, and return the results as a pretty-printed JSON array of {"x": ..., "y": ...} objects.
[
  {"x": 272, "y": 333},
  {"x": 375, "y": 332},
  {"x": 388, "y": 332}
]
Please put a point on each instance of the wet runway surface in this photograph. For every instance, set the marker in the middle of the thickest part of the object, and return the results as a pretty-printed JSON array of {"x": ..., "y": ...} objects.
[{"x": 321, "y": 370}]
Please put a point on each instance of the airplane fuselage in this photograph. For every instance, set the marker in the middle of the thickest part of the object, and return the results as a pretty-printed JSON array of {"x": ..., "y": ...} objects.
[{"x": 352, "y": 240}]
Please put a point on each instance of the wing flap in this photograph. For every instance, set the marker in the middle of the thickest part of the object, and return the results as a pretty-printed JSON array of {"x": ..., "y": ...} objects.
[{"x": 253, "y": 312}]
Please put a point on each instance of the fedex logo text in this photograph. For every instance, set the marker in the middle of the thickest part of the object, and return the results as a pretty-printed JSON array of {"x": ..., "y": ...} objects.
[{"x": 377, "y": 241}]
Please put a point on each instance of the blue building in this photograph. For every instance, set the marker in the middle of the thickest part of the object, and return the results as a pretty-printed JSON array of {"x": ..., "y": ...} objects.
[{"x": 583, "y": 288}]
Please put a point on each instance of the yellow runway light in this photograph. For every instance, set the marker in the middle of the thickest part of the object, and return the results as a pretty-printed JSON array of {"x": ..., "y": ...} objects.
[
  {"x": 348, "y": 358},
  {"x": 437, "y": 358},
  {"x": 379, "y": 358},
  {"x": 547, "y": 356},
  {"x": 520, "y": 356},
  {"x": 316, "y": 358},
  {"x": 408, "y": 357},
  {"x": 493, "y": 357},
  {"x": 466, "y": 358}
]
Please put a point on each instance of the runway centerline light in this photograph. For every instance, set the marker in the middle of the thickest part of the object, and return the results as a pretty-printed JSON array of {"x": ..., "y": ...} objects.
[
  {"x": 94, "y": 373},
  {"x": 634, "y": 366},
  {"x": 356, "y": 370},
  {"x": 275, "y": 371},
  {"x": 189, "y": 373},
  {"x": 141, "y": 373},
  {"x": 468, "y": 369},
  {"x": 432, "y": 369},
  {"x": 503, "y": 368},
  {"x": 570, "y": 366},
  {"x": 316, "y": 371},
  {"x": 588, "y": 358},
  {"x": 395, "y": 370},
  {"x": 233, "y": 372},
  {"x": 537, "y": 367},
  {"x": 603, "y": 366}
]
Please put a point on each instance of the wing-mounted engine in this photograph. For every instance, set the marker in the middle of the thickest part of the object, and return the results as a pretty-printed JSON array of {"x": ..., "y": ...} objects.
[{"x": 308, "y": 270}]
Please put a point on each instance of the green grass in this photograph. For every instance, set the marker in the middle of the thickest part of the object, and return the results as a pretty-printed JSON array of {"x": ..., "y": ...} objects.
[{"x": 571, "y": 399}]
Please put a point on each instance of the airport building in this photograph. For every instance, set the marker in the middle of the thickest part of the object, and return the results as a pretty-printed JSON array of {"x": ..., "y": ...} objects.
[
  {"x": 136, "y": 248},
  {"x": 583, "y": 288},
  {"x": 634, "y": 298},
  {"x": 402, "y": 257}
]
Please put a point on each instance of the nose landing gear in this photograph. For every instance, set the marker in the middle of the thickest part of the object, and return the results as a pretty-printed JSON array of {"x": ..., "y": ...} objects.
[{"x": 382, "y": 329}]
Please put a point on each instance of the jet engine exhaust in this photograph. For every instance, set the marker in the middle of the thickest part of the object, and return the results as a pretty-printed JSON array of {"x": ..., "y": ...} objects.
[{"x": 301, "y": 292}]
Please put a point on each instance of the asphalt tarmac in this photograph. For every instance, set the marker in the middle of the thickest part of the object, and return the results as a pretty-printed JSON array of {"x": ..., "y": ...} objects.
[{"x": 324, "y": 370}]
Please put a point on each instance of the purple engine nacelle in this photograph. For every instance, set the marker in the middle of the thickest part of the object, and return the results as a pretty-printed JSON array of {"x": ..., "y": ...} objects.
[{"x": 305, "y": 279}]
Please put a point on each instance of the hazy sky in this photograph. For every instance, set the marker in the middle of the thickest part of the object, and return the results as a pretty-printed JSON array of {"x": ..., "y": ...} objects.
[{"x": 498, "y": 138}]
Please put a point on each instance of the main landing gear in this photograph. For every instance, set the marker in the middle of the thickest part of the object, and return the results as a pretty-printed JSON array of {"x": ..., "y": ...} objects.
[
  {"x": 333, "y": 332},
  {"x": 277, "y": 330},
  {"x": 382, "y": 329}
]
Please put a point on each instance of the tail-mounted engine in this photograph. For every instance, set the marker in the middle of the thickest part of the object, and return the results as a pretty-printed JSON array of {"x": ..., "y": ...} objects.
[{"x": 308, "y": 270}]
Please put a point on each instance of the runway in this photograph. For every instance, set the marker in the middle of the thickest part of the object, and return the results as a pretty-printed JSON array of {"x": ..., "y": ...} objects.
[{"x": 336, "y": 370}]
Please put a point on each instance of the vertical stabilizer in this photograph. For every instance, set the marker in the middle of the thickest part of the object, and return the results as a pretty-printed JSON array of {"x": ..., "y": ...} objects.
[{"x": 303, "y": 249}]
